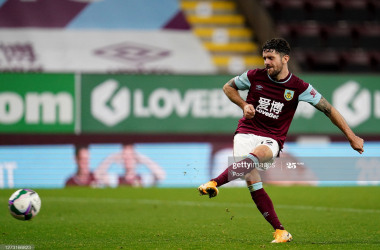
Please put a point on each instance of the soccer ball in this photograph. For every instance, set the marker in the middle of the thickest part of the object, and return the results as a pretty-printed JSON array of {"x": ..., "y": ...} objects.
[{"x": 24, "y": 204}]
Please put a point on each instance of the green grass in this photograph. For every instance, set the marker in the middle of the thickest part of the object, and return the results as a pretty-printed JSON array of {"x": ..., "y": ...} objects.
[{"x": 134, "y": 218}]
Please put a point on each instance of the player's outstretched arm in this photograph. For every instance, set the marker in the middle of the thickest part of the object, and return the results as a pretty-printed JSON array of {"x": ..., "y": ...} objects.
[
  {"x": 232, "y": 92},
  {"x": 338, "y": 120}
]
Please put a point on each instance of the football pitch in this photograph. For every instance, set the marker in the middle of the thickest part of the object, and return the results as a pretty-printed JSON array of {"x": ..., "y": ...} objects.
[{"x": 162, "y": 218}]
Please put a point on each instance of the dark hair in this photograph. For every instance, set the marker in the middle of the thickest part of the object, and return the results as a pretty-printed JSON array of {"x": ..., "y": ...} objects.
[
  {"x": 79, "y": 148},
  {"x": 279, "y": 45}
]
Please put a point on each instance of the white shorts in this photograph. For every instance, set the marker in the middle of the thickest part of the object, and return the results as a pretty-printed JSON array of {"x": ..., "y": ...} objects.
[{"x": 245, "y": 143}]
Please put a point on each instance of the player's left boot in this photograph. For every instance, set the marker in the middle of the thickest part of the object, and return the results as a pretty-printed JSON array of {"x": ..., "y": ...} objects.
[
  {"x": 281, "y": 236},
  {"x": 209, "y": 188}
]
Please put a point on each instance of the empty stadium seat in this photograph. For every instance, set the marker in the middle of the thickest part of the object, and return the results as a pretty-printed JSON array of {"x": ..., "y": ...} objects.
[
  {"x": 369, "y": 37},
  {"x": 330, "y": 35},
  {"x": 222, "y": 30}
]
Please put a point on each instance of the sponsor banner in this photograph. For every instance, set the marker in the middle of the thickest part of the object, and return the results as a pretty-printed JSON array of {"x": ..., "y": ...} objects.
[
  {"x": 178, "y": 165},
  {"x": 53, "y": 50},
  {"x": 37, "y": 103},
  {"x": 196, "y": 104},
  {"x": 159, "y": 104},
  {"x": 357, "y": 98},
  {"x": 166, "y": 104}
]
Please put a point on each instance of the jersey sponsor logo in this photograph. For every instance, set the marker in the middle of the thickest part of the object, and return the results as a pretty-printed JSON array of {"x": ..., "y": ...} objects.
[
  {"x": 288, "y": 94},
  {"x": 269, "y": 108},
  {"x": 313, "y": 93}
]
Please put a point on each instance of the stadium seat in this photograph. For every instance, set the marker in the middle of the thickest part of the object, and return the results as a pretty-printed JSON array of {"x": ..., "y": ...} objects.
[
  {"x": 325, "y": 34},
  {"x": 215, "y": 7},
  {"x": 232, "y": 34},
  {"x": 374, "y": 60},
  {"x": 249, "y": 61},
  {"x": 221, "y": 28},
  {"x": 356, "y": 61},
  {"x": 242, "y": 47},
  {"x": 356, "y": 11},
  {"x": 369, "y": 37},
  {"x": 326, "y": 61},
  {"x": 230, "y": 20},
  {"x": 292, "y": 14},
  {"x": 324, "y": 11},
  {"x": 339, "y": 37},
  {"x": 302, "y": 36}
]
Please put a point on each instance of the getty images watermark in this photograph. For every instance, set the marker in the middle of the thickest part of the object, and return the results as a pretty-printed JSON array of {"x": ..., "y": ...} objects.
[
  {"x": 10, "y": 247},
  {"x": 248, "y": 166},
  {"x": 240, "y": 168},
  {"x": 354, "y": 169}
]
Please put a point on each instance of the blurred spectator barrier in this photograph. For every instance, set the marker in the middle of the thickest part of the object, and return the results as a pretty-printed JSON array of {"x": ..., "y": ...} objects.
[{"x": 179, "y": 165}]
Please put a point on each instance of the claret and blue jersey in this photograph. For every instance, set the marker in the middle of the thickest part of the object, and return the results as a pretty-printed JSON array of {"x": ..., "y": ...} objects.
[{"x": 275, "y": 102}]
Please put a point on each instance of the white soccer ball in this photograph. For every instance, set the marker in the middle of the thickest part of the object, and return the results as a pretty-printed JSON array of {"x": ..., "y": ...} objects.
[{"x": 24, "y": 204}]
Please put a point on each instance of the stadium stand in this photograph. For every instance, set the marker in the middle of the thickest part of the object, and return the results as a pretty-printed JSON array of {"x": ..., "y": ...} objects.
[
  {"x": 330, "y": 35},
  {"x": 224, "y": 34},
  {"x": 99, "y": 36}
]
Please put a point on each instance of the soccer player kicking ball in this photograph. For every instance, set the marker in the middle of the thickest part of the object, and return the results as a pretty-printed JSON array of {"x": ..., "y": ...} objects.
[{"x": 272, "y": 100}]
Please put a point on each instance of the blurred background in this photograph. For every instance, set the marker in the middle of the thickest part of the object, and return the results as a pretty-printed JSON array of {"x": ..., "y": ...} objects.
[{"x": 105, "y": 93}]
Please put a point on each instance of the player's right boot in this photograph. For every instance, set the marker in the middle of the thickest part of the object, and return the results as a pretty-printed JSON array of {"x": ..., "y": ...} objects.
[
  {"x": 208, "y": 188},
  {"x": 281, "y": 236}
]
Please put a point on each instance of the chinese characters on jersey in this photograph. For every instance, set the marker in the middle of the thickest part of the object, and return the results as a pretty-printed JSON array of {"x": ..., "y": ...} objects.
[{"x": 270, "y": 108}]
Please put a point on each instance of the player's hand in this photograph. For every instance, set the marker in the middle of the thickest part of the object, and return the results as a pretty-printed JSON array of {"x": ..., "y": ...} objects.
[
  {"x": 357, "y": 144},
  {"x": 249, "y": 111}
]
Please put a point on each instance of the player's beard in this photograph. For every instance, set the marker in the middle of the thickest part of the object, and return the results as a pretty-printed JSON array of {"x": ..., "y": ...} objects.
[{"x": 274, "y": 72}]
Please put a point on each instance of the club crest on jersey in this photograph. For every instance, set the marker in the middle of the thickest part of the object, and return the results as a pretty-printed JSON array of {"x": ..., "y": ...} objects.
[{"x": 288, "y": 94}]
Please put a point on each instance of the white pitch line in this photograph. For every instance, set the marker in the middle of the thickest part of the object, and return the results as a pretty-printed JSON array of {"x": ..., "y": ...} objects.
[{"x": 206, "y": 204}]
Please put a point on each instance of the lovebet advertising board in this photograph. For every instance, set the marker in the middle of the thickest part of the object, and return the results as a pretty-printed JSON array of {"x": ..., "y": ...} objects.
[
  {"x": 152, "y": 104},
  {"x": 174, "y": 104},
  {"x": 37, "y": 103}
]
